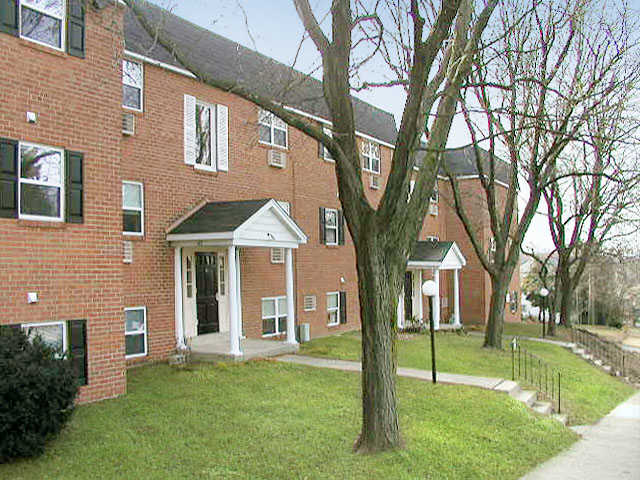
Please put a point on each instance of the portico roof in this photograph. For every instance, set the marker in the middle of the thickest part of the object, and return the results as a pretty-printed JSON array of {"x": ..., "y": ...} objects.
[
  {"x": 249, "y": 223},
  {"x": 436, "y": 254}
]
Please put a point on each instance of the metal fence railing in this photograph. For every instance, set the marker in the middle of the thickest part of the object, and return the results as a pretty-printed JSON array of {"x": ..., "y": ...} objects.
[
  {"x": 622, "y": 362},
  {"x": 544, "y": 376}
]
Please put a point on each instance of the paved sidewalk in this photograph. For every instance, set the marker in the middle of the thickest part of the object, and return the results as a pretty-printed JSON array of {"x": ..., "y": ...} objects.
[
  {"x": 487, "y": 383},
  {"x": 610, "y": 449}
]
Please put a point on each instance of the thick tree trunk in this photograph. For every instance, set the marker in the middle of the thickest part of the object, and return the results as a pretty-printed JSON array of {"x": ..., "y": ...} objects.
[
  {"x": 566, "y": 303},
  {"x": 379, "y": 281},
  {"x": 495, "y": 322}
]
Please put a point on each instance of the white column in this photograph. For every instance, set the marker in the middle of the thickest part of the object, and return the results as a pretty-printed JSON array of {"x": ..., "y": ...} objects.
[
  {"x": 239, "y": 292},
  {"x": 456, "y": 296},
  {"x": 400, "y": 310},
  {"x": 234, "y": 326},
  {"x": 436, "y": 300},
  {"x": 420, "y": 303},
  {"x": 291, "y": 308},
  {"x": 177, "y": 273}
]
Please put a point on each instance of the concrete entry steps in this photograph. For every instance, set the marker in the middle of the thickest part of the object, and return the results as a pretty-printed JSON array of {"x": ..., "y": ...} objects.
[
  {"x": 509, "y": 387},
  {"x": 214, "y": 347}
]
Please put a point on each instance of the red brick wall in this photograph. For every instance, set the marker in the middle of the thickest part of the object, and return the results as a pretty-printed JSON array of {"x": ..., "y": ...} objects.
[
  {"x": 154, "y": 156},
  {"x": 75, "y": 269}
]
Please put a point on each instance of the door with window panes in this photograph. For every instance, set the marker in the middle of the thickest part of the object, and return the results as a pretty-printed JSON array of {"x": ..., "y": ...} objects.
[{"x": 206, "y": 293}]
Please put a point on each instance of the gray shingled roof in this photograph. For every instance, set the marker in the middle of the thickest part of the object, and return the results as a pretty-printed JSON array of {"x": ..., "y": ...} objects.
[
  {"x": 461, "y": 162},
  {"x": 430, "y": 251},
  {"x": 229, "y": 61},
  {"x": 217, "y": 217}
]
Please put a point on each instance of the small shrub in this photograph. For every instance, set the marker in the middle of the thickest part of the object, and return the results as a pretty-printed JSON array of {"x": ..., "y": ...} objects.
[{"x": 37, "y": 392}]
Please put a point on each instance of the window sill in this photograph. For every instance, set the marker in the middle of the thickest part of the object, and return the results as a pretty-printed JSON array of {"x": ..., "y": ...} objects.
[
  {"x": 272, "y": 145},
  {"x": 209, "y": 172},
  {"x": 331, "y": 247},
  {"x": 43, "y": 48},
  {"x": 132, "y": 110},
  {"x": 333, "y": 325},
  {"x": 133, "y": 237},
  {"x": 48, "y": 224}
]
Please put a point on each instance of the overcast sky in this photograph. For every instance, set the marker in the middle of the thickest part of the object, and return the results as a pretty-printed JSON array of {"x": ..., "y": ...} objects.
[{"x": 273, "y": 28}]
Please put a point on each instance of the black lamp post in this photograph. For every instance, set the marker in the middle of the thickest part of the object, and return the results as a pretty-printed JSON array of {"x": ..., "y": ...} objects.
[
  {"x": 429, "y": 289},
  {"x": 544, "y": 293}
]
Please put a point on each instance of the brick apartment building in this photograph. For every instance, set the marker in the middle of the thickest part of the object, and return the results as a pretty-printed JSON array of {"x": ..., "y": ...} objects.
[{"x": 142, "y": 210}]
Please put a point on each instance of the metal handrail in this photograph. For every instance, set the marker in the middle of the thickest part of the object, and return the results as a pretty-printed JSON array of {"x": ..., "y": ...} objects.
[{"x": 537, "y": 372}]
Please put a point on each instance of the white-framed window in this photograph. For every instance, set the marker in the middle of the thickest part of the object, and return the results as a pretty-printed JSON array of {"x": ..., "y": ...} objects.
[
  {"x": 333, "y": 308},
  {"x": 41, "y": 195},
  {"x": 274, "y": 316},
  {"x": 189, "y": 276},
  {"x": 370, "y": 156},
  {"x": 43, "y": 22},
  {"x": 135, "y": 332},
  {"x": 132, "y": 85},
  {"x": 272, "y": 130},
  {"x": 132, "y": 208},
  {"x": 326, "y": 154},
  {"x": 222, "y": 274},
  {"x": 331, "y": 226},
  {"x": 54, "y": 334},
  {"x": 434, "y": 194},
  {"x": 205, "y": 135}
]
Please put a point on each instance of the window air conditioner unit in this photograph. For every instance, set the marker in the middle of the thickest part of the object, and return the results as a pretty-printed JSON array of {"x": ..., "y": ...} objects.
[
  {"x": 128, "y": 123},
  {"x": 433, "y": 209},
  {"x": 277, "y": 158},
  {"x": 375, "y": 182}
]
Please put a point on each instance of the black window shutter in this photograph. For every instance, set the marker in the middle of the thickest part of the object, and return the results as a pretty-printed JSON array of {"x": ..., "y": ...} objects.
[
  {"x": 8, "y": 178},
  {"x": 78, "y": 348},
  {"x": 323, "y": 233},
  {"x": 343, "y": 307},
  {"x": 74, "y": 186},
  {"x": 9, "y": 17},
  {"x": 75, "y": 28},
  {"x": 340, "y": 228}
]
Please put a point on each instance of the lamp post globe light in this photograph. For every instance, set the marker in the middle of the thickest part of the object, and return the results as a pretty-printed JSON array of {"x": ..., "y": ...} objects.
[
  {"x": 543, "y": 293},
  {"x": 429, "y": 289}
]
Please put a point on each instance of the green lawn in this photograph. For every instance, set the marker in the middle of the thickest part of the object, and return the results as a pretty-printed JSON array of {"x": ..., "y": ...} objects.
[
  {"x": 265, "y": 420},
  {"x": 535, "y": 330},
  {"x": 589, "y": 393}
]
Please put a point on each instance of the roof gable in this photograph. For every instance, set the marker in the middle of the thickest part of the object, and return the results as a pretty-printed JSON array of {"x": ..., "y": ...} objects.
[{"x": 259, "y": 223}]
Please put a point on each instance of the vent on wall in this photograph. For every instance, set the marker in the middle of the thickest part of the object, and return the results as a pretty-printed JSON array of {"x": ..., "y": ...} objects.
[
  {"x": 309, "y": 303},
  {"x": 128, "y": 251},
  {"x": 433, "y": 209},
  {"x": 277, "y": 255},
  {"x": 277, "y": 158},
  {"x": 128, "y": 123},
  {"x": 375, "y": 182}
]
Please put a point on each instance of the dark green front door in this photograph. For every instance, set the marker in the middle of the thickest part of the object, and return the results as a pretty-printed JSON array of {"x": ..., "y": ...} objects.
[{"x": 206, "y": 296}]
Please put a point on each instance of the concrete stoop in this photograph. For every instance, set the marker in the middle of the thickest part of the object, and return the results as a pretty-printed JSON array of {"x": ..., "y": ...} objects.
[{"x": 530, "y": 399}]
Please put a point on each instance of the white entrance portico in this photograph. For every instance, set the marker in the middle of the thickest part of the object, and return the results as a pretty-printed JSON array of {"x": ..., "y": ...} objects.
[
  {"x": 207, "y": 243},
  {"x": 428, "y": 260}
]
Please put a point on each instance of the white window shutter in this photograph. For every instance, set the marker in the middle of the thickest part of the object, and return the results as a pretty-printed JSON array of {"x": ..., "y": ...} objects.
[
  {"x": 213, "y": 135},
  {"x": 222, "y": 136},
  {"x": 189, "y": 130}
]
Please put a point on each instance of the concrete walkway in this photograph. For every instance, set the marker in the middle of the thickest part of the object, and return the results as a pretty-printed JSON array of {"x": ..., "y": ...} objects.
[
  {"x": 488, "y": 383},
  {"x": 610, "y": 449},
  {"x": 560, "y": 343}
]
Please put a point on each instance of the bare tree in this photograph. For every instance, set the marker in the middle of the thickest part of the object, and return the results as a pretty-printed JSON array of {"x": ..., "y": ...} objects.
[
  {"x": 594, "y": 199},
  {"x": 531, "y": 94},
  {"x": 436, "y": 58}
]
